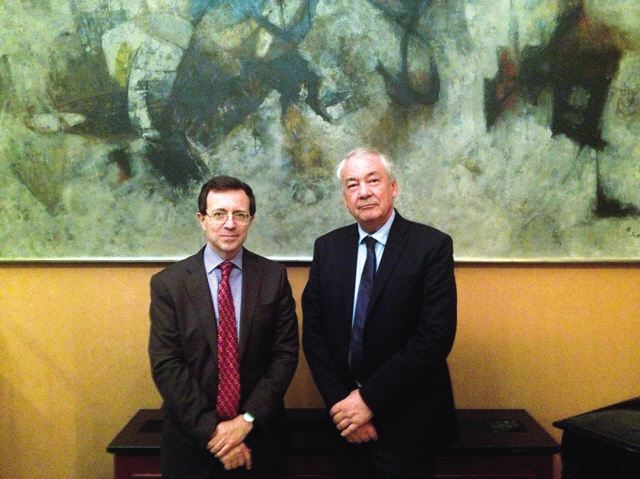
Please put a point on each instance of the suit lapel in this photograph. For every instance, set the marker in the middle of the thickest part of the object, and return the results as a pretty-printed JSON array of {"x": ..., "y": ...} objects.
[
  {"x": 197, "y": 286},
  {"x": 251, "y": 275},
  {"x": 396, "y": 242}
]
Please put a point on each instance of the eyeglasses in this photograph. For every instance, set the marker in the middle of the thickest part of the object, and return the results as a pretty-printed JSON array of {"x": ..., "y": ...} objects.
[{"x": 219, "y": 217}]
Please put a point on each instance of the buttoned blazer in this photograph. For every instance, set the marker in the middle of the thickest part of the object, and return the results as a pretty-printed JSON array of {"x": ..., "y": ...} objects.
[
  {"x": 409, "y": 331},
  {"x": 183, "y": 344}
]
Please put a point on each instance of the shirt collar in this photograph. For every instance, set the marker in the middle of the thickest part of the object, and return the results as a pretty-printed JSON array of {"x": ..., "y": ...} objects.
[
  {"x": 382, "y": 234},
  {"x": 212, "y": 260}
]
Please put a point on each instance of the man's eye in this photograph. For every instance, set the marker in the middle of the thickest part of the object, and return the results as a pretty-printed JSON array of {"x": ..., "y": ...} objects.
[
  {"x": 218, "y": 214},
  {"x": 241, "y": 216}
]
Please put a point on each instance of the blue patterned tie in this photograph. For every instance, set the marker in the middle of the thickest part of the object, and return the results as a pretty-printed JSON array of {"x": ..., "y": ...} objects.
[{"x": 364, "y": 291}]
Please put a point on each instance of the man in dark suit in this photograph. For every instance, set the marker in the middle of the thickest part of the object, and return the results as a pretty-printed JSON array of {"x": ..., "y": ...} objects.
[
  {"x": 223, "y": 347},
  {"x": 379, "y": 320}
]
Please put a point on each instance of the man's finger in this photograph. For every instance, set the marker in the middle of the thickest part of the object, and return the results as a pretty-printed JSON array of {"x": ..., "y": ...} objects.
[
  {"x": 339, "y": 416},
  {"x": 342, "y": 425},
  {"x": 222, "y": 451},
  {"x": 216, "y": 444},
  {"x": 351, "y": 428},
  {"x": 247, "y": 458}
]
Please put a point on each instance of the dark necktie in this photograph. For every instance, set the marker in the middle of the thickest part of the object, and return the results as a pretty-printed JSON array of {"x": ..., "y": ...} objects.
[
  {"x": 228, "y": 370},
  {"x": 362, "y": 301}
]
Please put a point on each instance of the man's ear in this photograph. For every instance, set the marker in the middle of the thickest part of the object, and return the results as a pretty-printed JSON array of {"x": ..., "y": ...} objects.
[{"x": 201, "y": 219}]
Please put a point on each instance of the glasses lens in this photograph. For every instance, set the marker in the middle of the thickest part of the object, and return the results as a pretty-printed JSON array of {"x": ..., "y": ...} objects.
[
  {"x": 220, "y": 217},
  {"x": 241, "y": 218}
]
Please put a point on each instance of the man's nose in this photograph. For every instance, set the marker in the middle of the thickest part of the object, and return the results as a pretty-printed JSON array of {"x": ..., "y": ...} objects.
[
  {"x": 229, "y": 222},
  {"x": 363, "y": 190}
]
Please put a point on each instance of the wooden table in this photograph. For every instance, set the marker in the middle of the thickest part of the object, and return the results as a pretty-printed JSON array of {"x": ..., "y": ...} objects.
[{"x": 494, "y": 444}]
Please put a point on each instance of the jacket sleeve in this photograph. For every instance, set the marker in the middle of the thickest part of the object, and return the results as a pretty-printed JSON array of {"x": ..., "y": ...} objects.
[
  {"x": 281, "y": 357},
  {"x": 333, "y": 388},
  {"x": 184, "y": 400}
]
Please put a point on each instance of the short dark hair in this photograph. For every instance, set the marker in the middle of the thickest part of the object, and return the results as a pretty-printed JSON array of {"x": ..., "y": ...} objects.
[{"x": 225, "y": 183}]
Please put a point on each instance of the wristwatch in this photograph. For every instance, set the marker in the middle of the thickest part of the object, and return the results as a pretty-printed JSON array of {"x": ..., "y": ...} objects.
[{"x": 248, "y": 417}]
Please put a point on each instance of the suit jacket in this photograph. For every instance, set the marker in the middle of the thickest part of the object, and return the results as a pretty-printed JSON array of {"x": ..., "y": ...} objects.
[
  {"x": 183, "y": 354},
  {"x": 409, "y": 331}
]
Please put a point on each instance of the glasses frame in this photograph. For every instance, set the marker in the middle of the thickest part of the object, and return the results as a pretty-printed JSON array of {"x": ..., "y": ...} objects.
[{"x": 232, "y": 215}]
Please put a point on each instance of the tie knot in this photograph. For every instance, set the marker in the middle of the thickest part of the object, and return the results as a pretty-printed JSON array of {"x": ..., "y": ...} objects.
[
  {"x": 370, "y": 241},
  {"x": 226, "y": 268}
]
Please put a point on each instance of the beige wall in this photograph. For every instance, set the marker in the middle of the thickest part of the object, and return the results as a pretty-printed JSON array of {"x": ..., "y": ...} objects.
[{"x": 556, "y": 340}]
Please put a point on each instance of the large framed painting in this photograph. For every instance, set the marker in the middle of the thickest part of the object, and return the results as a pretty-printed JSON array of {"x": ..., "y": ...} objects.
[{"x": 514, "y": 124}]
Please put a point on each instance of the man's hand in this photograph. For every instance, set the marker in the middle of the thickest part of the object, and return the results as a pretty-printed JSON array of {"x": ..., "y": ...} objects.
[
  {"x": 365, "y": 433},
  {"x": 350, "y": 413},
  {"x": 237, "y": 457},
  {"x": 228, "y": 435}
]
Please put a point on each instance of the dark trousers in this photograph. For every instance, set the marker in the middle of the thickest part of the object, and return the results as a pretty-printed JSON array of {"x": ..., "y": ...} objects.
[
  {"x": 218, "y": 472},
  {"x": 374, "y": 460}
]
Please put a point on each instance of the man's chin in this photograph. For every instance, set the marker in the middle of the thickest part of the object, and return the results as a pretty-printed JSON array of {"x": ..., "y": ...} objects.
[{"x": 369, "y": 216}]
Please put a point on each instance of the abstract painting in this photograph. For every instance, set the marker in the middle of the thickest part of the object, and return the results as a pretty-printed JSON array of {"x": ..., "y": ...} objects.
[{"x": 514, "y": 125}]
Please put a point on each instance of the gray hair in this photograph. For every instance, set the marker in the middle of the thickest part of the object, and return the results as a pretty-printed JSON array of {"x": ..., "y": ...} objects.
[{"x": 365, "y": 150}]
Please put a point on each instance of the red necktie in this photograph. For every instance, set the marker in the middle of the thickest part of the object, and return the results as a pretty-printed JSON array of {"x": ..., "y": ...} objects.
[{"x": 228, "y": 370}]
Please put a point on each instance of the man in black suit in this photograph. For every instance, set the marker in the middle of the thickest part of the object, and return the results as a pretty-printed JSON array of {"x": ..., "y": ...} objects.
[
  {"x": 223, "y": 347},
  {"x": 379, "y": 358}
]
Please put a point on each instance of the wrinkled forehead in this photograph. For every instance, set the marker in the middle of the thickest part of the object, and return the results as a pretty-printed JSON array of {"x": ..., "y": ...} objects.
[{"x": 362, "y": 166}]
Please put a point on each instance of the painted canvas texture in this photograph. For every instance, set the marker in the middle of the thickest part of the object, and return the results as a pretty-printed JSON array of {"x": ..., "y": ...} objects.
[{"x": 513, "y": 124}]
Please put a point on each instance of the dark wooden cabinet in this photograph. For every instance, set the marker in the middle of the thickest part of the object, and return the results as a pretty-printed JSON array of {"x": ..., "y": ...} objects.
[
  {"x": 495, "y": 444},
  {"x": 136, "y": 448},
  {"x": 499, "y": 443},
  {"x": 602, "y": 444}
]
